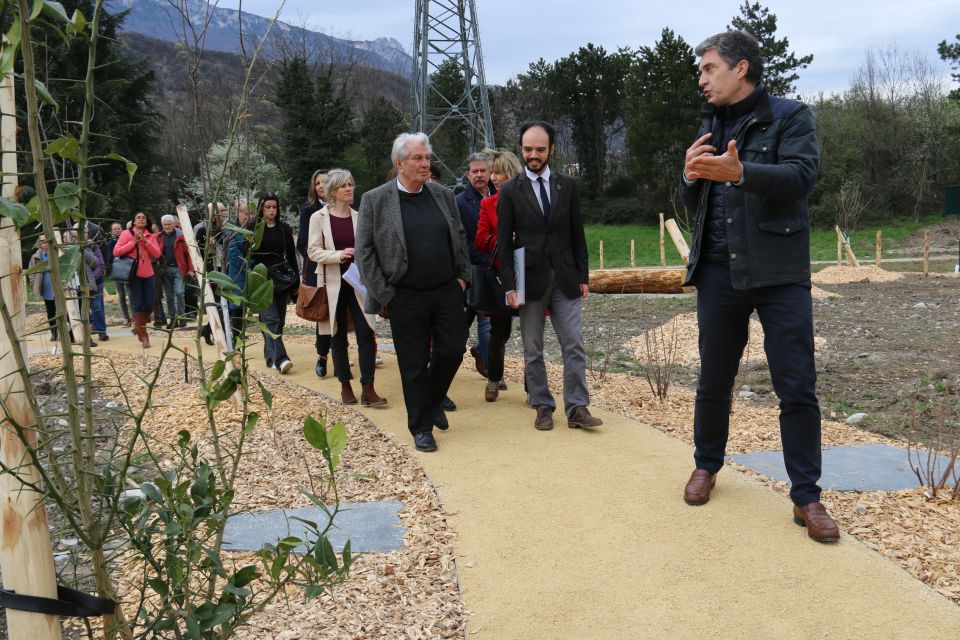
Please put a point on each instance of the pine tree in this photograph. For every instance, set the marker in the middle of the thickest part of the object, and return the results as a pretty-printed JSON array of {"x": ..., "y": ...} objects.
[
  {"x": 779, "y": 63},
  {"x": 950, "y": 52},
  {"x": 382, "y": 123}
]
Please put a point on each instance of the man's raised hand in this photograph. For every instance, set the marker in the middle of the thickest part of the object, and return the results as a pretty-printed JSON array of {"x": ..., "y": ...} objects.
[{"x": 722, "y": 168}]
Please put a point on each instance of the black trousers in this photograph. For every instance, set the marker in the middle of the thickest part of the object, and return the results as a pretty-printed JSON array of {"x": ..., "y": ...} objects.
[
  {"x": 417, "y": 319},
  {"x": 499, "y": 334},
  {"x": 786, "y": 314},
  {"x": 347, "y": 306}
]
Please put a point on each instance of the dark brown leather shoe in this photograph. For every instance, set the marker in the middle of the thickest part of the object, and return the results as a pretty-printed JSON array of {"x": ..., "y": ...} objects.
[
  {"x": 491, "y": 392},
  {"x": 820, "y": 526},
  {"x": 697, "y": 491},
  {"x": 581, "y": 419},
  {"x": 544, "y": 421}
]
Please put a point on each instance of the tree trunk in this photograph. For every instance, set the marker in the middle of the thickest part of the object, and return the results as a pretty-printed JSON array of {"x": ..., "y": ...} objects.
[{"x": 637, "y": 281}]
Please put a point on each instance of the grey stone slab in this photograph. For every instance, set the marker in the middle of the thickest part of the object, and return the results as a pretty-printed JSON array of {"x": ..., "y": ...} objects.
[
  {"x": 370, "y": 527},
  {"x": 869, "y": 467}
]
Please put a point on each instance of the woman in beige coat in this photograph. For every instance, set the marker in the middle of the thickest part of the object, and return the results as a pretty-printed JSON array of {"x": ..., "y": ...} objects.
[{"x": 330, "y": 243}]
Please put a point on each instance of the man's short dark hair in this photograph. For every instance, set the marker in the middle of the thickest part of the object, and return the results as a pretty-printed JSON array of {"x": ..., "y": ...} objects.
[
  {"x": 734, "y": 46},
  {"x": 546, "y": 126}
]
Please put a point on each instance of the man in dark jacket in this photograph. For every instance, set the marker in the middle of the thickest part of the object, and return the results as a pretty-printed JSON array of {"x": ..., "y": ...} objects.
[
  {"x": 746, "y": 179},
  {"x": 478, "y": 187}
]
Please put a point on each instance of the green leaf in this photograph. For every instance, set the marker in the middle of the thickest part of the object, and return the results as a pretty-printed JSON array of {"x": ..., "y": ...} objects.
[
  {"x": 45, "y": 95},
  {"x": 56, "y": 10},
  {"x": 313, "y": 591},
  {"x": 66, "y": 147},
  {"x": 131, "y": 166},
  {"x": 183, "y": 437},
  {"x": 245, "y": 576},
  {"x": 257, "y": 238},
  {"x": 337, "y": 439},
  {"x": 232, "y": 228},
  {"x": 151, "y": 492},
  {"x": 15, "y": 211},
  {"x": 78, "y": 23},
  {"x": 222, "y": 280},
  {"x": 159, "y": 585},
  {"x": 37, "y": 8},
  {"x": 251, "y": 424},
  {"x": 67, "y": 197},
  {"x": 315, "y": 433},
  {"x": 267, "y": 396},
  {"x": 69, "y": 262},
  {"x": 8, "y": 56},
  {"x": 218, "y": 368}
]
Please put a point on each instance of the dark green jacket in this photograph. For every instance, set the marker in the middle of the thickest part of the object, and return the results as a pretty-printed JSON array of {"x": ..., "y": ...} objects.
[{"x": 767, "y": 222}]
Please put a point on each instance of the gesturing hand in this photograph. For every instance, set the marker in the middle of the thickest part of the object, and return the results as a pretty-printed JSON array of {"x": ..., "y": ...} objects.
[
  {"x": 697, "y": 149},
  {"x": 722, "y": 168}
]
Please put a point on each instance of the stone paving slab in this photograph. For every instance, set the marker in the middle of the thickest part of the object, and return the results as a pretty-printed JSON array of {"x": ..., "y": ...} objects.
[
  {"x": 869, "y": 467},
  {"x": 372, "y": 527}
]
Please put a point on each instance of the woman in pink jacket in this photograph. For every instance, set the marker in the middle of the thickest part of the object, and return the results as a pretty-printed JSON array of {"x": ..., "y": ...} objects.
[{"x": 143, "y": 246}]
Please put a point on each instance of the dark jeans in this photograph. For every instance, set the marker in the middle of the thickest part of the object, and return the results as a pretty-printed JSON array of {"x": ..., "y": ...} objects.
[
  {"x": 483, "y": 332},
  {"x": 347, "y": 306},
  {"x": 141, "y": 294},
  {"x": 275, "y": 317},
  {"x": 786, "y": 314},
  {"x": 417, "y": 319},
  {"x": 51, "y": 308},
  {"x": 122, "y": 295},
  {"x": 499, "y": 333},
  {"x": 98, "y": 317},
  {"x": 173, "y": 291},
  {"x": 158, "y": 316}
]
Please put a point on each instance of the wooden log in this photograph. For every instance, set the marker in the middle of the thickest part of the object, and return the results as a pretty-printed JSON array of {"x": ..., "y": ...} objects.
[
  {"x": 601, "y": 254},
  {"x": 210, "y": 302},
  {"x": 678, "y": 241},
  {"x": 839, "y": 251},
  {"x": 26, "y": 556},
  {"x": 633, "y": 254},
  {"x": 637, "y": 281},
  {"x": 879, "y": 245},
  {"x": 845, "y": 242},
  {"x": 663, "y": 254},
  {"x": 926, "y": 252}
]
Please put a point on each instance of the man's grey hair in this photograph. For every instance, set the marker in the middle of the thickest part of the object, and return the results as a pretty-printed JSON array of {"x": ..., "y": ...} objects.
[
  {"x": 734, "y": 46},
  {"x": 400, "y": 151},
  {"x": 168, "y": 218},
  {"x": 479, "y": 156}
]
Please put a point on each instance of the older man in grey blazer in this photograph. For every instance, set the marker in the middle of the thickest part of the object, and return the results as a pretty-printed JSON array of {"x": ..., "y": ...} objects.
[{"x": 414, "y": 262}]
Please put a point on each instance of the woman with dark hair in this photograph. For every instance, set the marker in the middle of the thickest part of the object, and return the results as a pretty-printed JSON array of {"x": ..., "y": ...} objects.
[
  {"x": 143, "y": 246},
  {"x": 315, "y": 202},
  {"x": 277, "y": 252},
  {"x": 331, "y": 244}
]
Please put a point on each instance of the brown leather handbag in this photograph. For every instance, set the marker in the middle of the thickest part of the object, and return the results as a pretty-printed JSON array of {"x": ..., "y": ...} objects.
[{"x": 312, "y": 303}]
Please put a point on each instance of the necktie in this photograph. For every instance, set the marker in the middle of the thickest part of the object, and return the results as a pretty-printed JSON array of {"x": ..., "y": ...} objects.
[{"x": 544, "y": 201}]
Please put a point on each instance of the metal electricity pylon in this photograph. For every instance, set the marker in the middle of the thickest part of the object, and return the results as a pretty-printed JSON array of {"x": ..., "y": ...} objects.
[{"x": 450, "y": 102}]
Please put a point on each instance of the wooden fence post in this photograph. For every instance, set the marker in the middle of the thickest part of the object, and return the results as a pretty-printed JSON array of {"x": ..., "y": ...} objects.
[
  {"x": 879, "y": 245},
  {"x": 26, "y": 556},
  {"x": 926, "y": 252},
  {"x": 633, "y": 255},
  {"x": 845, "y": 243},
  {"x": 601, "y": 254},
  {"x": 839, "y": 251},
  {"x": 663, "y": 253},
  {"x": 209, "y": 308}
]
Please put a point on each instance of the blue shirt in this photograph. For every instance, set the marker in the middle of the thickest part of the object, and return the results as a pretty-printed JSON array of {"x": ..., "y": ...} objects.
[{"x": 46, "y": 289}]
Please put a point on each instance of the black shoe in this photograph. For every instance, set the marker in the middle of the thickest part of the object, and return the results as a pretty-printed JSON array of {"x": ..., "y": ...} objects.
[
  {"x": 424, "y": 441},
  {"x": 269, "y": 364},
  {"x": 92, "y": 343},
  {"x": 183, "y": 323},
  {"x": 440, "y": 419},
  {"x": 447, "y": 404},
  {"x": 321, "y": 368},
  {"x": 207, "y": 334}
]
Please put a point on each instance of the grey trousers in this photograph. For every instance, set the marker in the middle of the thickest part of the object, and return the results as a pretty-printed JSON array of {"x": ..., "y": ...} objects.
[{"x": 565, "y": 316}]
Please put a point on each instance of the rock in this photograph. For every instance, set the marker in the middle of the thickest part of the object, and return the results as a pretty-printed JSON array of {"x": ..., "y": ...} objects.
[
  {"x": 61, "y": 422},
  {"x": 132, "y": 493},
  {"x": 111, "y": 405},
  {"x": 860, "y": 509},
  {"x": 745, "y": 387},
  {"x": 856, "y": 418},
  {"x": 61, "y": 558},
  {"x": 68, "y": 542},
  {"x": 920, "y": 305},
  {"x": 746, "y": 394},
  {"x": 863, "y": 355}
]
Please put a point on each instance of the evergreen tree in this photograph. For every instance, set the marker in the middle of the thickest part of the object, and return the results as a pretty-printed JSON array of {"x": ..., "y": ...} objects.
[
  {"x": 662, "y": 108},
  {"x": 382, "y": 123},
  {"x": 950, "y": 52},
  {"x": 779, "y": 63}
]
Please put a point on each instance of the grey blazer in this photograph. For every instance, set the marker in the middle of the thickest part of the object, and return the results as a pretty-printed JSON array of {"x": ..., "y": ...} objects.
[{"x": 381, "y": 251}]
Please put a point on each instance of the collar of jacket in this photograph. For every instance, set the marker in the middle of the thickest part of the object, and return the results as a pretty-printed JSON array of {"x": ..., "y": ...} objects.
[{"x": 473, "y": 194}]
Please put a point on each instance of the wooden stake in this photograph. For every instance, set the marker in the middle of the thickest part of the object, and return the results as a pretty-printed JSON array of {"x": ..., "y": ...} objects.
[
  {"x": 26, "y": 556},
  {"x": 209, "y": 302},
  {"x": 601, "y": 254},
  {"x": 839, "y": 251},
  {"x": 663, "y": 254},
  {"x": 879, "y": 245},
  {"x": 633, "y": 261},
  {"x": 926, "y": 252},
  {"x": 678, "y": 241},
  {"x": 845, "y": 243}
]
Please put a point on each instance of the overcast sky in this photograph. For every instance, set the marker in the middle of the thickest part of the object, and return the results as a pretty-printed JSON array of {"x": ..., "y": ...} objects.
[{"x": 513, "y": 34}]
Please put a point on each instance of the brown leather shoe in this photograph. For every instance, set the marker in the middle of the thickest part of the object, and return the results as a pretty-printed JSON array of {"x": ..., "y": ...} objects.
[
  {"x": 346, "y": 394},
  {"x": 370, "y": 398},
  {"x": 502, "y": 386},
  {"x": 581, "y": 419},
  {"x": 820, "y": 526},
  {"x": 697, "y": 491},
  {"x": 491, "y": 392},
  {"x": 544, "y": 421}
]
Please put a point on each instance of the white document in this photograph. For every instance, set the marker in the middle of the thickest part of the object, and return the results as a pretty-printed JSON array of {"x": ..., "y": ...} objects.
[
  {"x": 352, "y": 276},
  {"x": 519, "y": 268}
]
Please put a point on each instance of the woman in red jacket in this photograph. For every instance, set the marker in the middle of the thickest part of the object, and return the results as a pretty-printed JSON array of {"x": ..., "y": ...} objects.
[
  {"x": 503, "y": 166},
  {"x": 141, "y": 245}
]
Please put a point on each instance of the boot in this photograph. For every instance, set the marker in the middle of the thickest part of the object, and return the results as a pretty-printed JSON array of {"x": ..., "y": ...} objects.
[
  {"x": 140, "y": 320},
  {"x": 346, "y": 393},
  {"x": 370, "y": 398}
]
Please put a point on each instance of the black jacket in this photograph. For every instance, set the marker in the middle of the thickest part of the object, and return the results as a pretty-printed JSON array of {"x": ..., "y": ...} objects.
[
  {"x": 768, "y": 224},
  {"x": 469, "y": 204},
  {"x": 560, "y": 246}
]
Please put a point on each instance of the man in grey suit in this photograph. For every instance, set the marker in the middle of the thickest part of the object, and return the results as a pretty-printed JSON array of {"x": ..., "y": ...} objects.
[
  {"x": 413, "y": 260},
  {"x": 539, "y": 210}
]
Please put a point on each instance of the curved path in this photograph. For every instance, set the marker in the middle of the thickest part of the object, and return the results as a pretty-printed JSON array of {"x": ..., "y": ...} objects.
[{"x": 584, "y": 535}]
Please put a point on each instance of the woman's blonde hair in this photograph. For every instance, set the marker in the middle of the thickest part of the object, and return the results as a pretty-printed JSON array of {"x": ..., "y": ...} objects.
[
  {"x": 503, "y": 161},
  {"x": 335, "y": 179}
]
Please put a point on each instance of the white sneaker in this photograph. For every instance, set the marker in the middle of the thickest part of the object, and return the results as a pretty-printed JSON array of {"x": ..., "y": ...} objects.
[
  {"x": 285, "y": 365},
  {"x": 377, "y": 360}
]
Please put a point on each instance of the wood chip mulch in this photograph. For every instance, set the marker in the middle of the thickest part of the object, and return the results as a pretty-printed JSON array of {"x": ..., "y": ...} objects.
[{"x": 410, "y": 593}]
